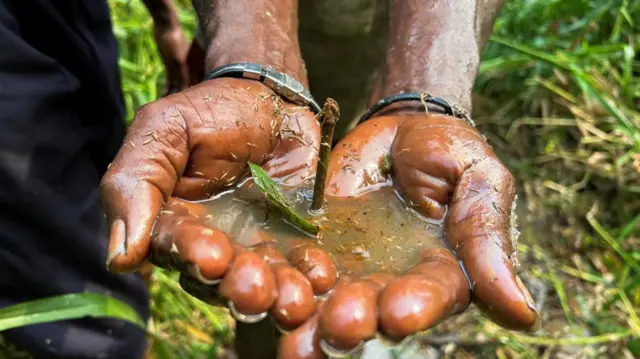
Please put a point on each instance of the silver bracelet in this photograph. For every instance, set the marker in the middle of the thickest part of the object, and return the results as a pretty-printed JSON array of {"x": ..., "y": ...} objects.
[{"x": 282, "y": 84}]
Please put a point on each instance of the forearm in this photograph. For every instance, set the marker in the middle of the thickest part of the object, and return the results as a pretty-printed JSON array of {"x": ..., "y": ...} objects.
[
  {"x": 261, "y": 31},
  {"x": 163, "y": 13},
  {"x": 435, "y": 46}
]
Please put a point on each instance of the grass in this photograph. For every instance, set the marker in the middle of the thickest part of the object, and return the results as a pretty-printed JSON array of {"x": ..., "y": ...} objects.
[{"x": 557, "y": 96}]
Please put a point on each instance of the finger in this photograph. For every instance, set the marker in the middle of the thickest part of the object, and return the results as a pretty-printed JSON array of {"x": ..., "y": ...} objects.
[
  {"x": 234, "y": 122},
  {"x": 295, "y": 157},
  {"x": 379, "y": 280},
  {"x": 270, "y": 254},
  {"x": 427, "y": 162},
  {"x": 193, "y": 209},
  {"x": 142, "y": 175},
  {"x": 357, "y": 161},
  {"x": 185, "y": 243},
  {"x": 430, "y": 292},
  {"x": 481, "y": 229},
  {"x": 316, "y": 264},
  {"x": 349, "y": 316},
  {"x": 440, "y": 157},
  {"x": 302, "y": 343},
  {"x": 249, "y": 285},
  {"x": 295, "y": 302},
  {"x": 259, "y": 128},
  {"x": 208, "y": 177}
]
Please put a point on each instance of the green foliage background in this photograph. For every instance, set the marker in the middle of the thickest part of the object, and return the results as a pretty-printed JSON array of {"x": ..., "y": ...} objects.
[{"x": 557, "y": 97}]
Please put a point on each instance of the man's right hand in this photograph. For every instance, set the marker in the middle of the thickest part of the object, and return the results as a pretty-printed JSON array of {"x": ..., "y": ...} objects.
[{"x": 193, "y": 144}]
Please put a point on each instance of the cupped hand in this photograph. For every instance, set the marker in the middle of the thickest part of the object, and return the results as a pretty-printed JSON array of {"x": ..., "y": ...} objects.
[
  {"x": 192, "y": 145},
  {"x": 444, "y": 169}
]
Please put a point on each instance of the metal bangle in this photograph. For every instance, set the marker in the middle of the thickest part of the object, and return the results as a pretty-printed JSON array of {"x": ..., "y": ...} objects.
[
  {"x": 282, "y": 84},
  {"x": 425, "y": 98}
]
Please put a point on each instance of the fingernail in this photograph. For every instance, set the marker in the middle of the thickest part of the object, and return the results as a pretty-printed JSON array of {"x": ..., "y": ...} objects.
[
  {"x": 194, "y": 270},
  {"x": 117, "y": 241},
  {"x": 532, "y": 305}
]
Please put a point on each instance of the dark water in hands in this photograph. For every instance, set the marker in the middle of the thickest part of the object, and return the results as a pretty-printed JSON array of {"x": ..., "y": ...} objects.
[{"x": 372, "y": 233}]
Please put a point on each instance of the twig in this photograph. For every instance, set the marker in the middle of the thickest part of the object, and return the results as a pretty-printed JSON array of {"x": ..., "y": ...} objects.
[{"x": 328, "y": 117}]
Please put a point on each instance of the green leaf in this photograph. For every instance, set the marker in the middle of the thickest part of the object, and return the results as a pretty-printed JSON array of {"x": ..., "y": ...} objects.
[
  {"x": 278, "y": 200},
  {"x": 68, "y": 306}
]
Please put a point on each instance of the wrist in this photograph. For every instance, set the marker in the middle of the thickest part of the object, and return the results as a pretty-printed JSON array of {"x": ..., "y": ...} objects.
[
  {"x": 431, "y": 48},
  {"x": 263, "y": 32}
]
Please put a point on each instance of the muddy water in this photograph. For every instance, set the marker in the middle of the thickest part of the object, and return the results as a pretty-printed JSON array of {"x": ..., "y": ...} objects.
[{"x": 368, "y": 234}]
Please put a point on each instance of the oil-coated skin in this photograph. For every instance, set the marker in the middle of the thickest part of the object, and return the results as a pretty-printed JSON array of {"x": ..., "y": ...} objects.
[
  {"x": 295, "y": 302},
  {"x": 350, "y": 314},
  {"x": 316, "y": 264},
  {"x": 439, "y": 160},
  {"x": 413, "y": 302},
  {"x": 184, "y": 242},
  {"x": 436, "y": 160},
  {"x": 196, "y": 143},
  {"x": 303, "y": 342},
  {"x": 250, "y": 284}
]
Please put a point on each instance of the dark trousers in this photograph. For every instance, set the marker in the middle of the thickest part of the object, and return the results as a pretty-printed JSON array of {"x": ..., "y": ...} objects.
[{"x": 61, "y": 123}]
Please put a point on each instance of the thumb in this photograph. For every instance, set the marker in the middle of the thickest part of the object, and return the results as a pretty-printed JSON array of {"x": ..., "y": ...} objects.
[
  {"x": 140, "y": 178},
  {"x": 442, "y": 160},
  {"x": 481, "y": 231}
]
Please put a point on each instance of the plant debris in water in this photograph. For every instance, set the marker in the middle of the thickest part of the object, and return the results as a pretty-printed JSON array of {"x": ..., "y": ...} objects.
[{"x": 277, "y": 200}]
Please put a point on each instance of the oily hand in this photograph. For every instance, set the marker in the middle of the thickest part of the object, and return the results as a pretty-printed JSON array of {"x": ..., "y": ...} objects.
[
  {"x": 437, "y": 161},
  {"x": 192, "y": 145}
]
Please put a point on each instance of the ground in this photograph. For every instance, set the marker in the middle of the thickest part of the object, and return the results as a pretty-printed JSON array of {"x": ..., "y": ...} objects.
[{"x": 557, "y": 97}]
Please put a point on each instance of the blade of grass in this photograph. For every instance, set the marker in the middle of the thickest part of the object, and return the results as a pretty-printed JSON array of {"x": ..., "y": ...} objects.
[
  {"x": 540, "y": 55},
  {"x": 594, "y": 340},
  {"x": 635, "y": 283},
  {"x": 214, "y": 319},
  {"x": 68, "y": 306},
  {"x": 581, "y": 78},
  {"x": 633, "y": 316},
  {"x": 629, "y": 228},
  {"x": 611, "y": 242},
  {"x": 504, "y": 65},
  {"x": 625, "y": 123}
]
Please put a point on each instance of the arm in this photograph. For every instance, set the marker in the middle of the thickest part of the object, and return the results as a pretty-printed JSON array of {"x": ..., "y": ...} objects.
[
  {"x": 436, "y": 47},
  {"x": 171, "y": 42},
  {"x": 163, "y": 13},
  {"x": 265, "y": 32}
]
